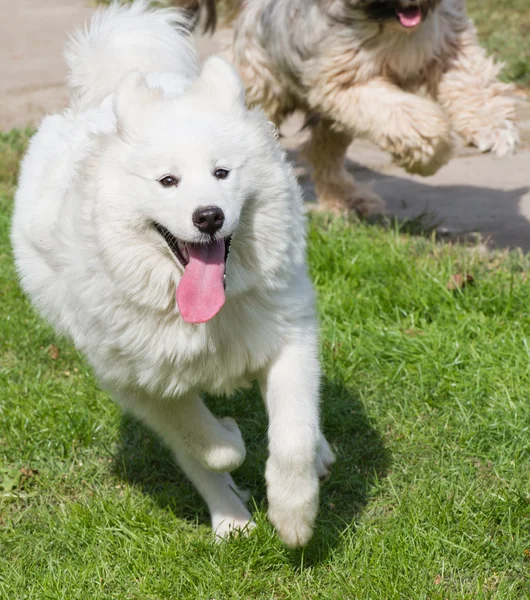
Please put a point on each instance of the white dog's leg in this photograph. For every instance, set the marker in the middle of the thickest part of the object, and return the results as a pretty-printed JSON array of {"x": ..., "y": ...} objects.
[
  {"x": 412, "y": 128},
  {"x": 201, "y": 444},
  {"x": 290, "y": 388},
  {"x": 476, "y": 101},
  {"x": 225, "y": 501},
  {"x": 187, "y": 423}
]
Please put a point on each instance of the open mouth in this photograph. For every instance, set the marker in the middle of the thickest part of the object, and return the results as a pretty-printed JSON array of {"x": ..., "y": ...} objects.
[
  {"x": 409, "y": 17},
  {"x": 201, "y": 289},
  {"x": 180, "y": 249}
]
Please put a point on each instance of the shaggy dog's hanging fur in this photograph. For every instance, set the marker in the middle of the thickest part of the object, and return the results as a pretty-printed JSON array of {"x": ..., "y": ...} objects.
[{"x": 406, "y": 74}]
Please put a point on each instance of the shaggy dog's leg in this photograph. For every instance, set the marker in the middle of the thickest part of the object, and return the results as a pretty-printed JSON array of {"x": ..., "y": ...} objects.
[
  {"x": 291, "y": 388},
  {"x": 335, "y": 186},
  {"x": 411, "y": 128},
  {"x": 187, "y": 423},
  {"x": 476, "y": 101}
]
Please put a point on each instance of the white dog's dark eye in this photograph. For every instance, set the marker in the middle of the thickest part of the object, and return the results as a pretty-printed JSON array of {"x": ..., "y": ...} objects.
[
  {"x": 168, "y": 181},
  {"x": 221, "y": 173}
]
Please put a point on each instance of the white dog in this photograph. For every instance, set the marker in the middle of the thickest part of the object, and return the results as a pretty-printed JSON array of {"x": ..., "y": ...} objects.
[{"x": 158, "y": 224}]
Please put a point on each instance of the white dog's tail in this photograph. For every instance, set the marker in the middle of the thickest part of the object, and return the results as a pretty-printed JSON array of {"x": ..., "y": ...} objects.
[{"x": 124, "y": 38}]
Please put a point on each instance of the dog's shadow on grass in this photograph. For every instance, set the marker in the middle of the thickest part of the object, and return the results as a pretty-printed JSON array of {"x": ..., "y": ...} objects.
[{"x": 362, "y": 460}]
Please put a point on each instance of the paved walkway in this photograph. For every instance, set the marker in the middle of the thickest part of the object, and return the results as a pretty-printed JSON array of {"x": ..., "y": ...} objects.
[{"x": 474, "y": 193}]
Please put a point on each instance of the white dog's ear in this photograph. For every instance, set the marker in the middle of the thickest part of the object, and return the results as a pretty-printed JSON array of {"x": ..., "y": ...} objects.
[
  {"x": 131, "y": 99},
  {"x": 219, "y": 79}
]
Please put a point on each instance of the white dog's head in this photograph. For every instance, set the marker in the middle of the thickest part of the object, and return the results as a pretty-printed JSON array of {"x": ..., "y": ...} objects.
[{"x": 185, "y": 182}]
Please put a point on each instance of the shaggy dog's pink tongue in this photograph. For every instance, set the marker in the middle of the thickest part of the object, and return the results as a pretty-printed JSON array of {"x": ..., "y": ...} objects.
[
  {"x": 200, "y": 292},
  {"x": 409, "y": 17}
]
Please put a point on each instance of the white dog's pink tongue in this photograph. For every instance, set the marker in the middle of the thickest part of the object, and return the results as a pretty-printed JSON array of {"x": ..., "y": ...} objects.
[
  {"x": 409, "y": 17},
  {"x": 200, "y": 292}
]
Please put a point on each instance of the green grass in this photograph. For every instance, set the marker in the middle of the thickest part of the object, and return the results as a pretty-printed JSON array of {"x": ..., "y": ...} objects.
[
  {"x": 504, "y": 29},
  {"x": 425, "y": 398}
]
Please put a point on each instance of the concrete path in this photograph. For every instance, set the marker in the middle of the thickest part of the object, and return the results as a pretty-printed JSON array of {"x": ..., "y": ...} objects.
[
  {"x": 474, "y": 193},
  {"x": 32, "y": 69}
]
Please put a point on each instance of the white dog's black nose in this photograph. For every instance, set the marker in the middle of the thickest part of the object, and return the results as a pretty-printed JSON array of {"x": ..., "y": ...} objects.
[{"x": 208, "y": 219}]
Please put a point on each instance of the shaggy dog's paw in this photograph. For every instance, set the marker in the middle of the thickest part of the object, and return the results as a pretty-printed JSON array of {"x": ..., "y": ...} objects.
[
  {"x": 502, "y": 140},
  {"x": 230, "y": 452},
  {"x": 420, "y": 140},
  {"x": 293, "y": 506},
  {"x": 427, "y": 157},
  {"x": 325, "y": 460},
  {"x": 352, "y": 197},
  {"x": 365, "y": 202}
]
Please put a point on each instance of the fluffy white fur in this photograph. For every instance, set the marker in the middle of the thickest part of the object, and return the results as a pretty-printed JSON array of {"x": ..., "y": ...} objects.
[{"x": 91, "y": 260}]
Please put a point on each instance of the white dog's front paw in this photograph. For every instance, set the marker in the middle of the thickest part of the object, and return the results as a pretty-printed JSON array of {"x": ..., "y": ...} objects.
[
  {"x": 501, "y": 140},
  {"x": 230, "y": 452},
  {"x": 294, "y": 519},
  {"x": 293, "y": 506}
]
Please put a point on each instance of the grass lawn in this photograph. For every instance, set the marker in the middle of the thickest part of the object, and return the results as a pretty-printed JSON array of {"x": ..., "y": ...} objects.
[
  {"x": 504, "y": 29},
  {"x": 425, "y": 398}
]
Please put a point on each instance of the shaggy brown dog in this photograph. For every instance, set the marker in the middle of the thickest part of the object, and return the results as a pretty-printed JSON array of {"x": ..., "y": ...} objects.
[{"x": 406, "y": 74}]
